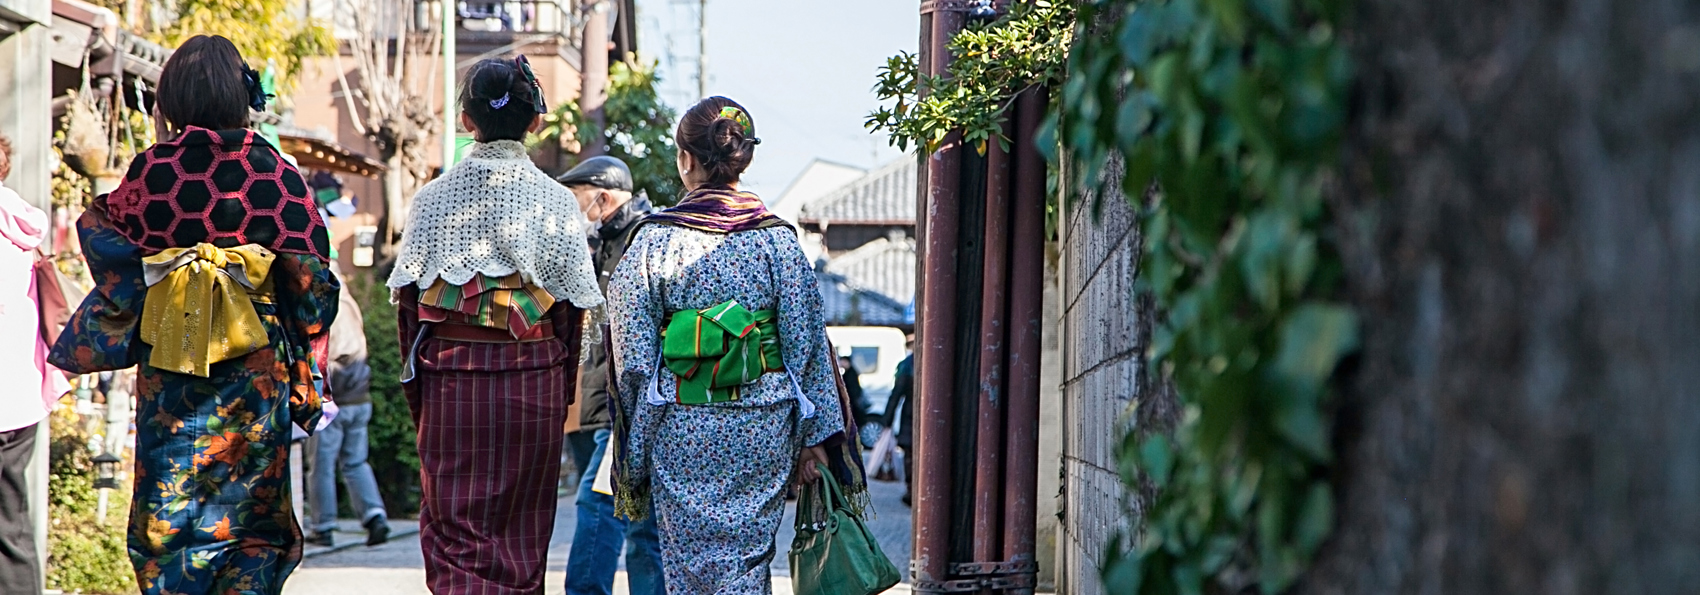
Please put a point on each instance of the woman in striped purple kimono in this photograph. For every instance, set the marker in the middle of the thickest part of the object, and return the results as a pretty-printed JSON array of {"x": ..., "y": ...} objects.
[{"x": 492, "y": 281}]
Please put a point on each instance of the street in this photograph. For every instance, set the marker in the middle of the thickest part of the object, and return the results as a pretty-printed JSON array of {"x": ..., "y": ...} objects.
[{"x": 397, "y": 567}]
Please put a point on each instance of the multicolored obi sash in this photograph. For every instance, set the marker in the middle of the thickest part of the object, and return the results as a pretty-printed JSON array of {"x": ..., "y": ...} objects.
[
  {"x": 716, "y": 350},
  {"x": 506, "y": 303}
]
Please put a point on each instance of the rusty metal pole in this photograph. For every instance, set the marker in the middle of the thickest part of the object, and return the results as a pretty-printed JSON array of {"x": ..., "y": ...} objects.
[
  {"x": 1026, "y": 316},
  {"x": 931, "y": 564},
  {"x": 988, "y": 455}
]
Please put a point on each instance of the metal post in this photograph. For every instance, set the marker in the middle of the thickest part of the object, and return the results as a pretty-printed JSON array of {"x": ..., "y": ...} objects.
[
  {"x": 988, "y": 455},
  {"x": 936, "y": 322},
  {"x": 1026, "y": 315},
  {"x": 451, "y": 113},
  {"x": 702, "y": 49}
]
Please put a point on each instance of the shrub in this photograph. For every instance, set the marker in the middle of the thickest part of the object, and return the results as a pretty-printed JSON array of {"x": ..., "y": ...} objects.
[
  {"x": 83, "y": 553},
  {"x": 394, "y": 452}
]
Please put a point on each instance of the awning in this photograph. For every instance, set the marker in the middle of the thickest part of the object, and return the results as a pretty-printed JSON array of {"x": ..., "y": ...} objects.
[
  {"x": 313, "y": 152},
  {"x": 81, "y": 27}
]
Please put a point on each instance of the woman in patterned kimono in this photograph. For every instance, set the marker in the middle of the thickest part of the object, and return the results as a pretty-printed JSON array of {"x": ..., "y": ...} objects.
[
  {"x": 213, "y": 279},
  {"x": 725, "y": 378},
  {"x": 493, "y": 278}
]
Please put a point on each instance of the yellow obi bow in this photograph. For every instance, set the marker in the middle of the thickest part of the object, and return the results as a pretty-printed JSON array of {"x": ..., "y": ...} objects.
[{"x": 198, "y": 311}]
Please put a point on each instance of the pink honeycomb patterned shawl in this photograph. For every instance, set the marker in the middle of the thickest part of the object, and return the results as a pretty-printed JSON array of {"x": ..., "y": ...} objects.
[{"x": 227, "y": 188}]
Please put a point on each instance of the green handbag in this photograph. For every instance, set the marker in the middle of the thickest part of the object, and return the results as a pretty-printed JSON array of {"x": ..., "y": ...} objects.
[{"x": 836, "y": 555}]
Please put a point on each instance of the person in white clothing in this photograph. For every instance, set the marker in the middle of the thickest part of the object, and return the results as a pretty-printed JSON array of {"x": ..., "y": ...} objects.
[{"x": 23, "y": 363}]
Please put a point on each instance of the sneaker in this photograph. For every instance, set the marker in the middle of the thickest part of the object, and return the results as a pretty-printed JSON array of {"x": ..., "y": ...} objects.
[
  {"x": 377, "y": 531},
  {"x": 323, "y": 538}
]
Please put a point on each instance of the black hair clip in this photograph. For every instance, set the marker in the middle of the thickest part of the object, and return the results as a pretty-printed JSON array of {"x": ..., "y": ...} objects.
[
  {"x": 257, "y": 95},
  {"x": 530, "y": 77}
]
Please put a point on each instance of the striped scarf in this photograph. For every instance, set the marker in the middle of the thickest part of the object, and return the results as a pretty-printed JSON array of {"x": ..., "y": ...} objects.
[{"x": 718, "y": 209}]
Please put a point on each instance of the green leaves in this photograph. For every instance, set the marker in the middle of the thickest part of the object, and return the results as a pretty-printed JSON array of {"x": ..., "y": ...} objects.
[
  {"x": 639, "y": 130},
  {"x": 264, "y": 31},
  {"x": 1232, "y": 110},
  {"x": 994, "y": 61}
]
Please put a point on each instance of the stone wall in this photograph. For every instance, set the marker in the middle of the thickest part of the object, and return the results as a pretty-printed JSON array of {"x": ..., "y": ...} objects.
[{"x": 1101, "y": 343}]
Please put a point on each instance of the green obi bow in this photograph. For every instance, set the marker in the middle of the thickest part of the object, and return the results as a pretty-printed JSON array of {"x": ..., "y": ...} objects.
[{"x": 717, "y": 349}]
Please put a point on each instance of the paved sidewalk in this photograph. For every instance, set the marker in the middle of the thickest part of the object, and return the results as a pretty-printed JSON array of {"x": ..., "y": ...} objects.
[
  {"x": 397, "y": 567},
  {"x": 349, "y": 534}
]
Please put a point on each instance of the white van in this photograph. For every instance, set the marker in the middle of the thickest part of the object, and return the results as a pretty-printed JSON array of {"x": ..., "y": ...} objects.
[{"x": 875, "y": 351}]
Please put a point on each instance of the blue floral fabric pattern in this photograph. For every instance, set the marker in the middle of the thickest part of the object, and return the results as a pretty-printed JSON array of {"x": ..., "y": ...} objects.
[{"x": 718, "y": 471}]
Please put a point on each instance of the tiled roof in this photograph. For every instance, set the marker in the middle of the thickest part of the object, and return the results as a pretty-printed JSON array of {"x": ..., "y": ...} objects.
[
  {"x": 845, "y": 305},
  {"x": 871, "y": 285},
  {"x": 884, "y": 266},
  {"x": 820, "y": 178},
  {"x": 886, "y": 196}
]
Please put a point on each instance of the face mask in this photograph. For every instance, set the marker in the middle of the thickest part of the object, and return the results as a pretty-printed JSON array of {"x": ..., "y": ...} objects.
[{"x": 594, "y": 226}]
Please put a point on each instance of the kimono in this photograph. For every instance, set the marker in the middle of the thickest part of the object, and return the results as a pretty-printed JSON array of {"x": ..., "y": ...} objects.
[
  {"x": 492, "y": 282},
  {"x": 716, "y": 472},
  {"x": 212, "y": 504}
]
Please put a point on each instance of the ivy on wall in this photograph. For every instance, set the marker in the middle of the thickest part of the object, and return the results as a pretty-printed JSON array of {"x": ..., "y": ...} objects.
[{"x": 1226, "y": 116}]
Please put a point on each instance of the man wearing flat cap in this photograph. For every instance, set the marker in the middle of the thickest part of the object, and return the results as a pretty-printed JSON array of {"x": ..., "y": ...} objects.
[{"x": 603, "y": 186}]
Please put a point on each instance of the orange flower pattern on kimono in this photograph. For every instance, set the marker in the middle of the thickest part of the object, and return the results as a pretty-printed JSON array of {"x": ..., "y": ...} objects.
[{"x": 211, "y": 511}]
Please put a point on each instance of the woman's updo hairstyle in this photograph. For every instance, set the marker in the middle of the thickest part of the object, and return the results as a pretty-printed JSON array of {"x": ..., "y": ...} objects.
[
  {"x": 721, "y": 135},
  {"x": 206, "y": 84},
  {"x": 503, "y": 97}
]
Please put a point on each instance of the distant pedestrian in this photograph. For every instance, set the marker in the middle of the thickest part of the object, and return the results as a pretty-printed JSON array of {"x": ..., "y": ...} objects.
[
  {"x": 726, "y": 379},
  {"x": 25, "y": 404},
  {"x": 343, "y": 444},
  {"x": 603, "y": 186},
  {"x": 210, "y": 215},
  {"x": 492, "y": 278},
  {"x": 898, "y": 415},
  {"x": 853, "y": 383}
]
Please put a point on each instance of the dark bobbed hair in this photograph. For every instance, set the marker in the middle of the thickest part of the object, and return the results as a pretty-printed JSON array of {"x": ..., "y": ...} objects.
[
  {"x": 717, "y": 142},
  {"x": 486, "y": 82},
  {"x": 202, "y": 85}
]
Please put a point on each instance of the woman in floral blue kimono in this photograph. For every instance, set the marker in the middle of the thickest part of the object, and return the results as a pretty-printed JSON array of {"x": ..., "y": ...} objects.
[
  {"x": 210, "y": 260},
  {"x": 726, "y": 382}
]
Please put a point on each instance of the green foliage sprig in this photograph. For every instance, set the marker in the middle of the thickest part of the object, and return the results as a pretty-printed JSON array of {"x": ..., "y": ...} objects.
[
  {"x": 639, "y": 130},
  {"x": 1226, "y": 115},
  {"x": 994, "y": 61}
]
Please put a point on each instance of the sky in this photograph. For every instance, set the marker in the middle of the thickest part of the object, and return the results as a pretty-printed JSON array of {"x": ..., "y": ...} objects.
[{"x": 804, "y": 68}]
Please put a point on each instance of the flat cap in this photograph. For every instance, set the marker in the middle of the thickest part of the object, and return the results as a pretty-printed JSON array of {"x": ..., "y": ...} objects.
[{"x": 602, "y": 172}]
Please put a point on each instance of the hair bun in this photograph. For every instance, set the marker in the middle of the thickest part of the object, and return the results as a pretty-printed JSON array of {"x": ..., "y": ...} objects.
[{"x": 719, "y": 134}]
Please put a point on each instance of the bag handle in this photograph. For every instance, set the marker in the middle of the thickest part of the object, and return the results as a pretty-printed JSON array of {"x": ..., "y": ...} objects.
[{"x": 826, "y": 494}]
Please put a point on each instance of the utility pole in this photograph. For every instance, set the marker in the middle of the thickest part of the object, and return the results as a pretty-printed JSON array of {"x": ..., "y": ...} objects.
[
  {"x": 449, "y": 110},
  {"x": 702, "y": 49},
  {"x": 593, "y": 87}
]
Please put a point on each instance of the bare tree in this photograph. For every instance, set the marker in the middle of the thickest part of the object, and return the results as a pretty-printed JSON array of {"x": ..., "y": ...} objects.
[{"x": 390, "y": 51}]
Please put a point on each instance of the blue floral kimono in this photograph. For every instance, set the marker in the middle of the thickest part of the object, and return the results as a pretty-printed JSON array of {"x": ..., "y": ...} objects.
[{"x": 212, "y": 508}]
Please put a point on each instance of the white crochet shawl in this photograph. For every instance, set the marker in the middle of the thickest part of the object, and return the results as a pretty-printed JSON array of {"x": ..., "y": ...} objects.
[{"x": 495, "y": 213}]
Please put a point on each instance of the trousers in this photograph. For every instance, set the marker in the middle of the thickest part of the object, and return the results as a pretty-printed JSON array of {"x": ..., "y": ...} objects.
[
  {"x": 343, "y": 448},
  {"x": 598, "y": 534},
  {"x": 20, "y": 571}
]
